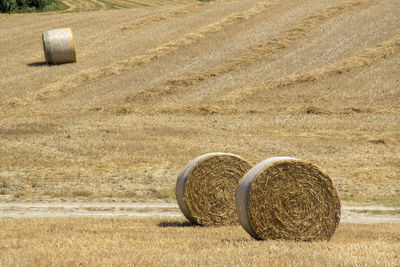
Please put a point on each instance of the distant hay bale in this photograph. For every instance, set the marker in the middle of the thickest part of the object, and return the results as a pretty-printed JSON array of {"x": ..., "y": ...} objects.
[
  {"x": 206, "y": 189},
  {"x": 59, "y": 46},
  {"x": 286, "y": 198}
]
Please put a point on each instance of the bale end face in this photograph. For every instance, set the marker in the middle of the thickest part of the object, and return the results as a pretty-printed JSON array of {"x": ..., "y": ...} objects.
[
  {"x": 285, "y": 198},
  {"x": 206, "y": 188}
]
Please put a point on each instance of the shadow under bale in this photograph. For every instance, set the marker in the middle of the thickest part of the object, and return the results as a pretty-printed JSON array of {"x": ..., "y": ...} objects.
[
  {"x": 167, "y": 224},
  {"x": 37, "y": 64}
]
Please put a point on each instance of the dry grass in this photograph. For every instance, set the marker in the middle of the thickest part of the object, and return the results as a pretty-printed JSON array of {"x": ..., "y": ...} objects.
[
  {"x": 92, "y": 5},
  {"x": 366, "y": 57},
  {"x": 75, "y": 81},
  {"x": 160, "y": 17},
  {"x": 94, "y": 242},
  {"x": 316, "y": 80},
  {"x": 285, "y": 40}
]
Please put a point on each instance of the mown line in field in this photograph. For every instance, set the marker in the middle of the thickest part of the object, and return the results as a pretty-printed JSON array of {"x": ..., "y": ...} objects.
[
  {"x": 123, "y": 4},
  {"x": 95, "y": 5},
  {"x": 365, "y": 58},
  {"x": 362, "y": 59},
  {"x": 101, "y": 4},
  {"x": 283, "y": 41},
  {"x": 70, "y": 5},
  {"x": 228, "y": 104},
  {"x": 227, "y": 108},
  {"x": 167, "y": 15},
  {"x": 144, "y": 3},
  {"x": 87, "y": 5},
  {"x": 92, "y": 5},
  {"x": 75, "y": 5},
  {"x": 119, "y": 4},
  {"x": 160, "y": 17},
  {"x": 74, "y": 81}
]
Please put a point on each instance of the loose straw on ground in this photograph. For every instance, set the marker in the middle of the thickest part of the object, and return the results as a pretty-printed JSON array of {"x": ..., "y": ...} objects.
[
  {"x": 59, "y": 46},
  {"x": 286, "y": 198},
  {"x": 206, "y": 189}
]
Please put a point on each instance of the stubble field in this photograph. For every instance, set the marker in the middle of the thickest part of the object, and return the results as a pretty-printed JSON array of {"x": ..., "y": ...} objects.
[
  {"x": 156, "y": 86},
  {"x": 160, "y": 242}
]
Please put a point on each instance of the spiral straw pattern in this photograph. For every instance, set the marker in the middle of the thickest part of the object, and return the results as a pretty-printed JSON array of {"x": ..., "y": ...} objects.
[
  {"x": 206, "y": 188},
  {"x": 285, "y": 198}
]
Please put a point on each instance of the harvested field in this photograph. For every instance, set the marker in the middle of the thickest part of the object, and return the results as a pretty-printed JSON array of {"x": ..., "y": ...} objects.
[
  {"x": 94, "y": 5},
  {"x": 93, "y": 242},
  {"x": 155, "y": 86}
]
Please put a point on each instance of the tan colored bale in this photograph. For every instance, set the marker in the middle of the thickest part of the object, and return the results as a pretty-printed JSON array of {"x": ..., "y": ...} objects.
[
  {"x": 286, "y": 198},
  {"x": 206, "y": 189},
  {"x": 59, "y": 46}
]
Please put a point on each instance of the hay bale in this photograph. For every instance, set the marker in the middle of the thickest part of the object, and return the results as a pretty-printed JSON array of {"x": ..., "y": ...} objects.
[
  {"x": 286, "y": 198},
  {"x": 206, "y": 189},
  {"x": 59, "y": 46}
]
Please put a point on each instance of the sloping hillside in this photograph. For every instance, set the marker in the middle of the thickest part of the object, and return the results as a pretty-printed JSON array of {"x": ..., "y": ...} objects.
[{"x": 154, "y": 87}]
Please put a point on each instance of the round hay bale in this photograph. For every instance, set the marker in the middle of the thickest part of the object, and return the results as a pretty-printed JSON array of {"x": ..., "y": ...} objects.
[
  {"x": 286, "y": 198},
  {"x": 59, "y": 46},
  {"x": 206, "y": 188}
]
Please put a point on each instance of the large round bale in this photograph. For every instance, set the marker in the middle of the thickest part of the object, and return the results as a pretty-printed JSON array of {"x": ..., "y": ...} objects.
[
  {"x": 59, "y": 46},
  {"x": 286, "y": 198},
  {"x": 206, "y": 188}
]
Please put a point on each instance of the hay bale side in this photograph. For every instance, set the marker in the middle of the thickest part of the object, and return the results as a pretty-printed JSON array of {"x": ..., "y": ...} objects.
[
  {"x": 286, "y": 198},
  {"x": 206, "y": 188},
  {"x": 59, "y": 46}
]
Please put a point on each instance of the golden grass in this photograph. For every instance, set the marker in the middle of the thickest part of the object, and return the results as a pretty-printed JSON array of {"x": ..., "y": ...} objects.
[
  {"x": 161, "y": 16},
  {"x": 261, "y": 51},
  {"x": 158, "y": 242},
  {"x": 93, "y": 5},
  {"x": 75, "y": 81},
  {"x": 324, "y": 88},
  {"x": 364, "y": 58}
]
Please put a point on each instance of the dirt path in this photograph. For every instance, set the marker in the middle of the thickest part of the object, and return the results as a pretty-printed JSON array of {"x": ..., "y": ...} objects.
[
  {"x": 350, "y": 214},
  {"x": 97, "y": 209},
  {"x": 365, "y": 214}
]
